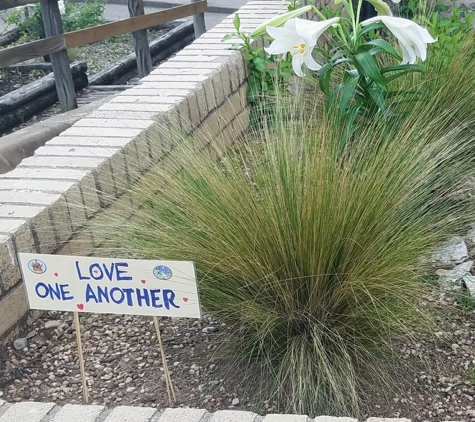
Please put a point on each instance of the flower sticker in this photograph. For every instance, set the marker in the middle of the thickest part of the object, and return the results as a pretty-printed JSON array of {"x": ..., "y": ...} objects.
[
  {"x": 162, "y": 272},
  {"x": 37, "y": 266}
]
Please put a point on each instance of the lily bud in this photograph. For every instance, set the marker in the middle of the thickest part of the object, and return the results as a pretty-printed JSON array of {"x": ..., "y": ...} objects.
[{"x": 278, "y": 21}]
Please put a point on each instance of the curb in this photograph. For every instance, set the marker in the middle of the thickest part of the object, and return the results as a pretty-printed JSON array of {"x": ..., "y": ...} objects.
[{"x": 49, "y": 412}]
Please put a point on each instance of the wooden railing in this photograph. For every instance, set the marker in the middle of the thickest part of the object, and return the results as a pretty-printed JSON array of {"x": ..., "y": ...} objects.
[{"x": 57, "y": 43}]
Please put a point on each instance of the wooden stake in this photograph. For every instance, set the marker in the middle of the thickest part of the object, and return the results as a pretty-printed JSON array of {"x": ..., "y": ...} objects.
[
  {"x": 168, "y": 379},
  {"x": 81, "y": 358}
]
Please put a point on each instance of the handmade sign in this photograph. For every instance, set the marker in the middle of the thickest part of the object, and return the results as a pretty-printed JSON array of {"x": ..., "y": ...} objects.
[
  {"x": 116, "y": 286},
  {"x": 107, "y": 285}
]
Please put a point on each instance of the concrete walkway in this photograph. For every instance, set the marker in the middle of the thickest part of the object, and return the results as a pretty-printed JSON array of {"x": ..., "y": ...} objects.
[
  {"x": 49, "y": 412},
  {"x": 217, "y": 9}
]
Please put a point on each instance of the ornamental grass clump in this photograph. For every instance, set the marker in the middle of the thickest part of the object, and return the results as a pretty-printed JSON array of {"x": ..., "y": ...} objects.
[{"x": 310, "y": 254}]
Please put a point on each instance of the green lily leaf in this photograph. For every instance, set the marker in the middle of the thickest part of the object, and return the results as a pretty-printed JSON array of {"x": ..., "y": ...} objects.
[
  {"x": 337, "y": 55},
  {"x": 347, "y": 75},
  {"x": 399, "y": 67},
  {"x": 398, "y": 75},
  {"x": 347, "y": 92},
  {"x": 385, "y": 47},
  {"x": 375, "y": 50},
  {"x": 378, "y": 97},
  {"x": 345, "y": 60},
  {"x": 350, "y": 125},
  {"x": 346, "y": 4},
  {"x": 368, "y": 28},
  {"x": 319, "y": 51},
  {"x": 324, "y": 75},
  {"x": 366, "y": 65}
]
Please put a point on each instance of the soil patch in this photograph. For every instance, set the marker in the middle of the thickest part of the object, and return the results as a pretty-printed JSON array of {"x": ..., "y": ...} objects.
[{"x": 11, "y": 80}]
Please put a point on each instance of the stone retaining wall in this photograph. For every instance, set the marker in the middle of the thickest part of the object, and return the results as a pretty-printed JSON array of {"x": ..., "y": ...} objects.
[{"x": 50, "y": 196}]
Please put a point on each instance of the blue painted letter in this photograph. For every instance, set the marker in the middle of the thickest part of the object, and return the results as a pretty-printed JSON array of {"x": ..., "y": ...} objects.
[
  {"x": 37, "y": 290},
  {"x": 65, "y": 292},
  {"x": 155, "y": 295},
  {"x": 142, "y": 297},
  {"x": 168, "y": 298},
  {"x": 122, "y": 296},
  {"x": 119, "y": 272},
  {"x": 90, "y": 294},
  {"x": 81, "y": 277}
]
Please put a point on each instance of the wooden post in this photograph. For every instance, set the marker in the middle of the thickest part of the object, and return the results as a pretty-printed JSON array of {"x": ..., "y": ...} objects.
[
  {"x": 168, "y": 379},
  {"x": 199, "y": 23},
  {"x": 81, "y": 357},
  {"x": 142, "y": 47},
  {"x": 60, "y": 62}
]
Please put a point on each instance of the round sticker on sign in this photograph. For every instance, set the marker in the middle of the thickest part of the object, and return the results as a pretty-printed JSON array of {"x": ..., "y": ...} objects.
[
  {"x": 162, "y": 272},
  {"x": 36, "y": 266}
]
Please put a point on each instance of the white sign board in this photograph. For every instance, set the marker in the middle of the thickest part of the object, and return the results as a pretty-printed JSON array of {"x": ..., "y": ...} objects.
[{"x": 107, "y": 285}]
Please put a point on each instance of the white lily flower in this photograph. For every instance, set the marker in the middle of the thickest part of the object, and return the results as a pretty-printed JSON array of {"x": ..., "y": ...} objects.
[
  {"x": 412, "y": 37},
  {"x": 299, "y": 37}
]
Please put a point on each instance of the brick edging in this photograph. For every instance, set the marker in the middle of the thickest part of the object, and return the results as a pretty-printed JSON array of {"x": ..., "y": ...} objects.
[{"x": 49, "y": 412}]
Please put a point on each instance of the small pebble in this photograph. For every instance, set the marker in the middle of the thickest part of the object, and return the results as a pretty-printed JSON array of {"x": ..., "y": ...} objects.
[
  {"x": 20, "y": 343},
  {"x": 52, "y": 324}
]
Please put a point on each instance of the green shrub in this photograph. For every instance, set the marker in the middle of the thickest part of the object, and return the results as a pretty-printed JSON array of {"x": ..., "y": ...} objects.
[
  {"x": 313, "y": 256},
  {"x": 83, "y": 15},
  {"x": 449, "y": 24},
  {"x": 76, "y": 16}
]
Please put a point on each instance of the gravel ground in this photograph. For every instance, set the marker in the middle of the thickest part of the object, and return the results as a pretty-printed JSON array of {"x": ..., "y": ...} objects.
[
  {"x": 437, "y": 382},
  {"x": 123, "y": 363},
  {"x": 123, "y": 366}
]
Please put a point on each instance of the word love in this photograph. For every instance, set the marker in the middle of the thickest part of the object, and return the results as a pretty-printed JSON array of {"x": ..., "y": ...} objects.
[{"x": 113, "y": 272}]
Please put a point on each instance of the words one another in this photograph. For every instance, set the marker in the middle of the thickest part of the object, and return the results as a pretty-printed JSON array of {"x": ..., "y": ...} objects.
[{"x": 111, "y": 286}]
